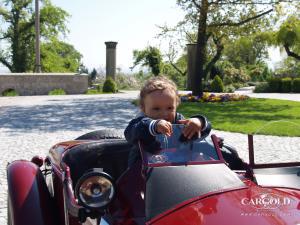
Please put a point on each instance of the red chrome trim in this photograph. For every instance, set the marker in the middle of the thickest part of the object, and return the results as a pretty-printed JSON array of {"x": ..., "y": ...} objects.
[
  {"x": 58, "y": 171},
  {"x": 264, "y": 165},
  {"x": 214, "y": 139},
  {"x": 190, "y": 201},
  {"x": 185, "y": 163},
  {"x": 251, "y": 150},
  {"x": 70, "y": 200},
  {"x": 275, "y": 165}
]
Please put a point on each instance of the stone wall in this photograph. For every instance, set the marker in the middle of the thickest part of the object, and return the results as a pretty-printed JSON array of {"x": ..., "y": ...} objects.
[{"x": 41, "y": 84}]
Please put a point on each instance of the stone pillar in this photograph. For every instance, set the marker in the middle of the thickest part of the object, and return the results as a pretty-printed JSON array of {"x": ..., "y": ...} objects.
[
  {"x": 111, "y": 59},
  {"x": 191, "y": 64}
]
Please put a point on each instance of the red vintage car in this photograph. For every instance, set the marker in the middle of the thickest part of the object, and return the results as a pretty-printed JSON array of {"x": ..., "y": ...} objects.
[{"x": 87, "y": 180}]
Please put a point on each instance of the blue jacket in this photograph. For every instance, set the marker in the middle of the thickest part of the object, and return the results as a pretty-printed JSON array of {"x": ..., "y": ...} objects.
[{"x": 142, "y": 129}]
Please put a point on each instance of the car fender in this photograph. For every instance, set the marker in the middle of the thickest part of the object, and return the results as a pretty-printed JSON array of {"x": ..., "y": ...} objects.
[{"x": 29, "y": 201}]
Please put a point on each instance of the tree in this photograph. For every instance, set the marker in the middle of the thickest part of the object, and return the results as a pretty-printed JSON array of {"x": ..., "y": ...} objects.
[
  {"x": 218, "y": 19},
  {"x": 93, "y": 74},
  {"x": 17, "y": 31},
  {"x": 150, "y": 57},
  {"x": 58, "y": 56},
  {"x": 289, "y": 37},
  {"x": 246, "y": 51}
]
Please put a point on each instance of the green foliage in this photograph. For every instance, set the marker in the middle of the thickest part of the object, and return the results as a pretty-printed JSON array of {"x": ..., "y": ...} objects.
[
  {"x": 93, "y": 74},
  {"x": 290, "y": 67},
  {"x": 262, "y": 87},
  {"x": 83, "y": 69},
  {"x": 94, "y": 92},
  {"x": 58, "y": 91},
  {"x": 217, "y": 84},
  {"x": 258, "y": 72},
  {"x": 10, "y": 92},
  {"x": 109, "y": 86},
  {"x": 17, "y": 30},
  {"x": 58, "y": 56},
  {"x": 229, "y": 88},
  {"x": 234, "y": 75},
  {"x": 127, "y": 82},
  {"x": 174, "y": 75},
  {"x": 246, "y": 50},
  {"x": 150, "y": 57},
  {"x": 286, "y": 85},
  {"x": 275, "y": 85},
  {"x": 289, "y": 32},
  {"x": 296, "y": 85}
]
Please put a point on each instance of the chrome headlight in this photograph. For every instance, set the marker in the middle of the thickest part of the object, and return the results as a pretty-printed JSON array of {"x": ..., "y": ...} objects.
[{"x": 95, "y": 189}]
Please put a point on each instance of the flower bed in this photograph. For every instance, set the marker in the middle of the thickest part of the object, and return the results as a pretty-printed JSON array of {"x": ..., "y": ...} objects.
[{"x": 212, "y": 97}]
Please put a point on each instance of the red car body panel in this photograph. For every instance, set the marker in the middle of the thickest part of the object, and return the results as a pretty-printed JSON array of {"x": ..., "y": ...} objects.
[
  {"x": 234, "y": 208},
  {"x": 28, "y": 195}
]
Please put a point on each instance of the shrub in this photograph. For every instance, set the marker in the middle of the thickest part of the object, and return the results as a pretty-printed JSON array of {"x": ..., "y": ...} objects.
[
  {"x": 286, "y": 85},
  {"x": 229, "y": 88},
  {"x": 274, "y": 85},
  {"x": 233, "y": 75},
  {"x": 217, "y": 84},
  {"x": 58, "y": 91},
  {"x": 296, "y": 85},
  {"x": 10, "y": 92},
  {"x": 127, "y": 82},
  {"x": 262, "y": 87},
  {"x": 109, "y": 86},
  {"x": 206, "y": 86},
  {"x": 98, "y": 88}
]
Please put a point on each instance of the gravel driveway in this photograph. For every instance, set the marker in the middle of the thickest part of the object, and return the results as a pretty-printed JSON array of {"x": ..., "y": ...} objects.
[{"x": 30, "y": 125}]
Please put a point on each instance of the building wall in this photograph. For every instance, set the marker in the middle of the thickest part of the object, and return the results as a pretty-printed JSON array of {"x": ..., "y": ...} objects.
[{"x": 41, "y": 84}]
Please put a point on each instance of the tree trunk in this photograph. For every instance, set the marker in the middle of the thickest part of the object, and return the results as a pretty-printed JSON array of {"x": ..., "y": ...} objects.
[{"x": 201, "y": 50}]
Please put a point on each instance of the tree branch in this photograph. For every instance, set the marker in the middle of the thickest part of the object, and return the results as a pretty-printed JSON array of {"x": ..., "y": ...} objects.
[
  {"x": 4, "y": 37},
  {"x": 290, "y": 53},
  {"x": 183, "y": 73},
  {"x": 241, "y": 22},
  {"x": 217, "y": 56},
  {"x": 5, "y": 63},
  {"x": 239, "y": 2},
  {"x": 196, "y": 4}
]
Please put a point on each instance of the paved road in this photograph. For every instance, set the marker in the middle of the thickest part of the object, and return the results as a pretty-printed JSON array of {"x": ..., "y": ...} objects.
[{"x": 30, "y": 125}]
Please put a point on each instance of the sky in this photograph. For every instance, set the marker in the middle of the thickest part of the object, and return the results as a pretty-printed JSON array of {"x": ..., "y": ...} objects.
[{"x": 131, "y": 23}]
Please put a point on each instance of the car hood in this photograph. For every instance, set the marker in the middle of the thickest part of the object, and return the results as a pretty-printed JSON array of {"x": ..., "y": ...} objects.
[{"x": 253, "y": 205}]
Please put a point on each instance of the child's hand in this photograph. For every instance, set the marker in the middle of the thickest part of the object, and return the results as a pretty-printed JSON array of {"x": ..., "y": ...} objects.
[
  {"x": 192, "y": 126},
  {"x": 164, "y": 127}
]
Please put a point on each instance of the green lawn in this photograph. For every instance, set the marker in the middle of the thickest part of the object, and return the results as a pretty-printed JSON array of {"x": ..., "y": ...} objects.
[{"x": 250, "y": 116}]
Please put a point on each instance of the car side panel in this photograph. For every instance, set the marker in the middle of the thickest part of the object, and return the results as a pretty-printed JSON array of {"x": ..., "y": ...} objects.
[{"x": 29, "y": 201}]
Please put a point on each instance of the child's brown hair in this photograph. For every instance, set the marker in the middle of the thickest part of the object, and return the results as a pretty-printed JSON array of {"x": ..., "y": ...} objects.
[{"x": 158, "y": 83}]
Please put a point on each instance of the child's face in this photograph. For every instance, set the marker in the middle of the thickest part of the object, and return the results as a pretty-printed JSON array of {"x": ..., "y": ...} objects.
[{"x": 160, "y": 105}]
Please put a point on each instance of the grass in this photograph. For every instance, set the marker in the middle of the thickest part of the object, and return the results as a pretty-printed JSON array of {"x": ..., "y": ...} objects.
[
  {"x": 58, "y": 91},
  {"x": 97, "y": 92},
  {"x": 93, "y": 92},
  {"x": 249, "y": 116},
  {"x": 9, "y": 93}
]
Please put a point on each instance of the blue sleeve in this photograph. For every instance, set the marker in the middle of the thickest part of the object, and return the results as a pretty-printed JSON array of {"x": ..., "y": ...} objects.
[
  {"x": 206, "y": 126},
  {"x": 138, "y": 129}
]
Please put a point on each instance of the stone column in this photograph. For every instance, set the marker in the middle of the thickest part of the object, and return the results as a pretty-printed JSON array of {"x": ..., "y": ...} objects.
[
  {"x": 191, "y": 64},
  {"x": 111, "y": 59}
]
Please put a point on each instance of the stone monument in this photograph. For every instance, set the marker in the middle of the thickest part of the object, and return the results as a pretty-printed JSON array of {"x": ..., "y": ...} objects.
[
  {"x": 111, "y": 59},
  {"x": 191, "y": 63}
]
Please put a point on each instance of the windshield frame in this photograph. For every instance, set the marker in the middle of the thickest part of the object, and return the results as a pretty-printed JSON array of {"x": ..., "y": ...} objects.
[{"x": 215, "y": 141}]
